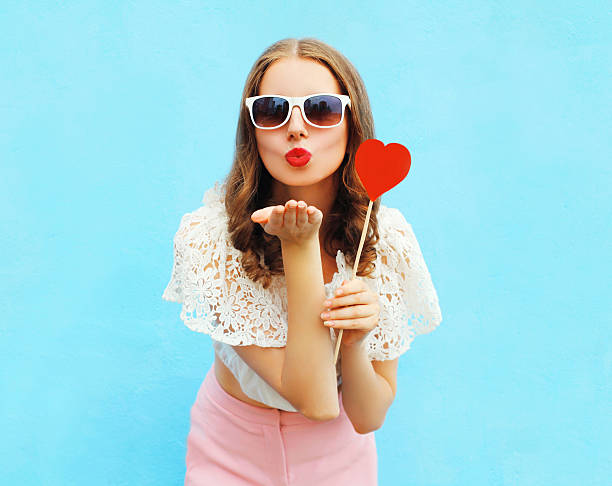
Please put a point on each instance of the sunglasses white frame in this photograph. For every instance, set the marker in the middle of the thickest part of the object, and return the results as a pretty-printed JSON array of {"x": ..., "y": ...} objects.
[{"x": 297, "y": 101}]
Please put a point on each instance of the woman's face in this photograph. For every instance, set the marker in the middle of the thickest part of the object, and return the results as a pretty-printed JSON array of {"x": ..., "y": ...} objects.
[{"x": 301, "y": 77}]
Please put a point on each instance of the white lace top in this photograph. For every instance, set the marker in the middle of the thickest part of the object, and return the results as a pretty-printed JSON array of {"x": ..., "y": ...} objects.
[{"x": 220, "y": 300}]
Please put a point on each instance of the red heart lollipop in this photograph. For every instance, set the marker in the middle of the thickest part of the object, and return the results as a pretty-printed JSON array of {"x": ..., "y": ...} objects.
[{"x": 380, "y": 168}]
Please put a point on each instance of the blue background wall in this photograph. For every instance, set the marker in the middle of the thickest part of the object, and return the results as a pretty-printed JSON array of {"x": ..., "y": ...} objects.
[{"x": 114, "y": 120}]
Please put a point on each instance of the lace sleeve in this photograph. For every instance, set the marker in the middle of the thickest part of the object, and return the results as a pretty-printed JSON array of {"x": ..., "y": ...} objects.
[
  {"x": 408, "y": 300},
  {"x": 207, "y": 278}
]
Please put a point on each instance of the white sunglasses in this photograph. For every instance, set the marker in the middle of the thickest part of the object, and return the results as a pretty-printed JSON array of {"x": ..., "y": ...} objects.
[{"x": 321, "y": 110}]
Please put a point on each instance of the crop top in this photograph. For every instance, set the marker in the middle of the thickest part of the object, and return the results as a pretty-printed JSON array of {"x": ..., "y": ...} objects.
[{"x": 220, "y": 300}]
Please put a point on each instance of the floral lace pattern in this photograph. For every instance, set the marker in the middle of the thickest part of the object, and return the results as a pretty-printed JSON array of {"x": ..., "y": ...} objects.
[{"x": 220, "y": 300}]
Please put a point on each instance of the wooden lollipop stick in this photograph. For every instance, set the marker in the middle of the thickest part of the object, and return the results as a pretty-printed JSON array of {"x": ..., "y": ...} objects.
[{"x": 363, "y": 235}]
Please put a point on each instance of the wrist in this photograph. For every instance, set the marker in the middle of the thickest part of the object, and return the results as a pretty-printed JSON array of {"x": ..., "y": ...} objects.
[
  {"x": 353, "y": 348},
  {"x": 304, "y": 243}
]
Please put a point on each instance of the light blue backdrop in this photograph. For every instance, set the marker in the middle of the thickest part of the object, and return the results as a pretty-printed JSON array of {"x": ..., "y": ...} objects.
[{"x": 114, "y": 120}]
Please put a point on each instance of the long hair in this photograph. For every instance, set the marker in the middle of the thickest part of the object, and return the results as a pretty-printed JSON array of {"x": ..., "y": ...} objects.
[{"x": 249, "y": 184}]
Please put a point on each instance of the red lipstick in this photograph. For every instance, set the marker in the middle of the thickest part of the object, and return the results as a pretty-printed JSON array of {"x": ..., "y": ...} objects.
[{"x": 298, "y": 157}]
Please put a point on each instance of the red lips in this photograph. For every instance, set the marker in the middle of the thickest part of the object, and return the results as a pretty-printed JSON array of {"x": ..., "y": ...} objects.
[
  {"x": 297, "y": 152},
  {"x": 298, "y": 157}
]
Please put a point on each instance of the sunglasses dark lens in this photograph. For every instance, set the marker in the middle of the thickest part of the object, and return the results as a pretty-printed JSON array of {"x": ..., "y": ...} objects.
[
  {"x": 270, "y": 111},
  {"x": 323, "y": 110}
]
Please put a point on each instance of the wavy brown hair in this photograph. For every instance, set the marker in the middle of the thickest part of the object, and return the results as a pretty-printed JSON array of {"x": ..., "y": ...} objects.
[{"x": 249, "y": 184}]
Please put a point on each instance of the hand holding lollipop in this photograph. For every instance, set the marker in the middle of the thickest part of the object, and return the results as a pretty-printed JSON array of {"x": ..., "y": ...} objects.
[{"x": 379, "y": 168}]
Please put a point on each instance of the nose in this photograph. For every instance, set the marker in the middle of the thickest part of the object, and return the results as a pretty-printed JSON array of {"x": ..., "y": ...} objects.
[{"x": 296, "y": 126}]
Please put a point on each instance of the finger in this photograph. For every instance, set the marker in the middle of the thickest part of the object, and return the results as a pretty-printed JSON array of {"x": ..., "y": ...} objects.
[
  {"x": 350, "y": 312},
  {"x": 351, "y": 287},
  {"x": 351, "y": 299},
  {"x": 302, "y": 216},
  {"x": 262, "y": 215},
  {"x": 276, "y": 216},
  {"x": 290, "y": 216},
  {"x": 315, "y": 216},
  {"x": 365, "y": 324}
]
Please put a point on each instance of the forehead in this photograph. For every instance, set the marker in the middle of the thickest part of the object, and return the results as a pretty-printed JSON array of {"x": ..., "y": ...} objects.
[{"x": 298, "y": 77}]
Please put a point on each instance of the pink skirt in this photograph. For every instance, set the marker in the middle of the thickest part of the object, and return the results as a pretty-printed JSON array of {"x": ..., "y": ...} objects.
[{"x": 233, "y": 443}]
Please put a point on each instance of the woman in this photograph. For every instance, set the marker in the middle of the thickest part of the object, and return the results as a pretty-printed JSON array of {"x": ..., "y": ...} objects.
[{"x": 259, "y": 268}]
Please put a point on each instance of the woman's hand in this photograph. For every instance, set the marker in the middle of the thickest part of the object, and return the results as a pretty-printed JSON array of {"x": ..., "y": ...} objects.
[
  {"x": 355, "y": 310},
  {"x": 295, "y": 222}
]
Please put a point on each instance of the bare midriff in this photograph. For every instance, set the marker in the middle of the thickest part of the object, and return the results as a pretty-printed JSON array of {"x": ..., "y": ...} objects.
[
  {"x": 226, "y": 378},
  {"x": 229, "y": 383}
]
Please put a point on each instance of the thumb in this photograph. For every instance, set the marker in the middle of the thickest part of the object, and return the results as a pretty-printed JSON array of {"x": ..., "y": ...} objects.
[
  {"x": 262, "y": 216},
  {"x": 259, "y": 216}
]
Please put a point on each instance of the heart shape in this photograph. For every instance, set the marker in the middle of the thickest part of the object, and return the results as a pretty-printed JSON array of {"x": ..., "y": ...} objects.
[{"x": 381, "y": 167}]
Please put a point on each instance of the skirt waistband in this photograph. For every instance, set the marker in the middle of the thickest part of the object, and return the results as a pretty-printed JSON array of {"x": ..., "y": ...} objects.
[{"x": 271, "y": 416}]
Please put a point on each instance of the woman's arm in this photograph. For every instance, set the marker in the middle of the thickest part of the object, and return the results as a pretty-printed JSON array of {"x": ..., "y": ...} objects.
[
  {"x": 308, "y": 371},
  {"x": 368, "y": 390}
]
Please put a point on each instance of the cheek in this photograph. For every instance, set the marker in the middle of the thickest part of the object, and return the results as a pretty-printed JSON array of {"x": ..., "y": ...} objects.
[
  {"x": 334, "y": 142},
  {"x": 265, "y": 142}
]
